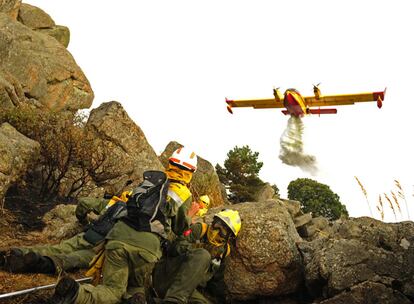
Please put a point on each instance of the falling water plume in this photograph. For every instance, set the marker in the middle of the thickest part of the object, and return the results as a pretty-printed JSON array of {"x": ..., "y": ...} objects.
[{"x": 291, "y": 147}]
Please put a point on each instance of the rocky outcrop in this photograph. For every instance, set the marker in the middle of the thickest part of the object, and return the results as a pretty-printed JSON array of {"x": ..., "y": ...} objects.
[
  {"x": 205, "y": 179},
  {"x": 128, "y": 153},
  {"x": 38, "y": 20},
  {"x": 17, "y": 153},
  {"x": 265, "y": 192},
  {"x": 34, "y": 17},
  {"x": 265, "y": 260},
  {"x": 60, "y": 32},
  {"x": 357, "y": 251},
  {"x": 369, "y": 292},
  {"x": 10, "y": 7},
  {"x": 61, "y": 223},
  {"x": 40, "y": 66},
  {"x": 11, "y": 91}
]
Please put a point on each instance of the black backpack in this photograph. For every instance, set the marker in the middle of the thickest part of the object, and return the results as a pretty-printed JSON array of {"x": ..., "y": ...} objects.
[
  {"x": 147, "y": 202},
  {"x": 98, "y": 230}
]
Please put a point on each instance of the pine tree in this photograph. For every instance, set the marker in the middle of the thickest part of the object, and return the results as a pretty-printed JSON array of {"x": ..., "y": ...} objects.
[{"x": 240, "y": 174}]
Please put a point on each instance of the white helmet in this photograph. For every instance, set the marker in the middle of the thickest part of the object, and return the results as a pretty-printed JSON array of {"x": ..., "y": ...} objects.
[{"x": 185, "y": 159}]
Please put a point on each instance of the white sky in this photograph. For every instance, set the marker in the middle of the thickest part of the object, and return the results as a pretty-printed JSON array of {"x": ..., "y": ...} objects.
[{"x": 171, "y": 63}]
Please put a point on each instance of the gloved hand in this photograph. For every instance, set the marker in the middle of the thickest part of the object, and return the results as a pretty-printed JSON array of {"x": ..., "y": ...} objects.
[
  {"x": 179, "y": 247},
  {"x": 83, "y": 221}
]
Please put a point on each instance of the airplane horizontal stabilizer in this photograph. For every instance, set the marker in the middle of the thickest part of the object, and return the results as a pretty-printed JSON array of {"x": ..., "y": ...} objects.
[{"x": 322, "y": 111}]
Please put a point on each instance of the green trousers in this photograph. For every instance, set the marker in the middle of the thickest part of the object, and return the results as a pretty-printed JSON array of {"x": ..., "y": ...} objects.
[
  {"x": 126, "y": 270},
  {"x": 69, "y": 254},
  {"x": 176, "y": 278}
]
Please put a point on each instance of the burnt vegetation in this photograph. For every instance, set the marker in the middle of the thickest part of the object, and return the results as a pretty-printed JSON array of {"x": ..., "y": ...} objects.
[{"x": 69, "y": 156}]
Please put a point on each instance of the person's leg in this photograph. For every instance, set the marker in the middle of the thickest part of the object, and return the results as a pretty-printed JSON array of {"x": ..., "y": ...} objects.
[
  {"x": 69, "y": 254},
  {"x": 193, "y": 271},
  {"x": 75, "y": 260},
  {"x": 123, "y": 266},
  {"x": 114, "y": 280},
  {"x": 198, "y": 298},
  {"x": 75, "y": 243}
]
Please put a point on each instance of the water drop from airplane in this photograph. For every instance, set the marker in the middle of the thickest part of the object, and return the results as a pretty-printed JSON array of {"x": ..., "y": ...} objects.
[{"x": 291, "y": 147}]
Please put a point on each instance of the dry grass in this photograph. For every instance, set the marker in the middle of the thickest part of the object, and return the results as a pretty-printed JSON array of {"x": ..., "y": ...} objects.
[
  {"x": 365, "y": 194},
  {"x": 380, "y": 207},
  {"x": 14, "y": 234},
  {"x": 395, "y": 199},
  {"x": 400, "y": 193},
  {"x": 10, "y": 282},
  {"x": 391, "y": 205}
]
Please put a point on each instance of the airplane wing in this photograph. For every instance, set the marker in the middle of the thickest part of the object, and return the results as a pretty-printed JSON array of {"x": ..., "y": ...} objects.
[
  {"x": 344, "y": 99},
  {"x": 265, "y": 103}
]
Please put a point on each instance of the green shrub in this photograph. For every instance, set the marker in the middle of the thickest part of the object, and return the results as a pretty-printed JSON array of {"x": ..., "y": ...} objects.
[{"x": 316, "y": 198}]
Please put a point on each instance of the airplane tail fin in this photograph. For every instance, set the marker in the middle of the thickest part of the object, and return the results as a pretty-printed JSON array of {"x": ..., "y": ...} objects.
[
  {"x": 229, "y": 103},
  {"x": 380, "y": 98}
]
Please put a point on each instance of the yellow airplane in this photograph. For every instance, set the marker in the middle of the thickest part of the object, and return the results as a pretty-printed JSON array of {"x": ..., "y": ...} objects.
[{"x": 297, "y": 105}]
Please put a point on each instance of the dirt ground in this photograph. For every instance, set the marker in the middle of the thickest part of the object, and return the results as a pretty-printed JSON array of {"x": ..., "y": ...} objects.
[{"x": 21, "y": 225}]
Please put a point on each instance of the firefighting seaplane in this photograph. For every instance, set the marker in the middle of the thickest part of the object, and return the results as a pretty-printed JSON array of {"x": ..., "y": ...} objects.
[{"x": 297, "y": 105}]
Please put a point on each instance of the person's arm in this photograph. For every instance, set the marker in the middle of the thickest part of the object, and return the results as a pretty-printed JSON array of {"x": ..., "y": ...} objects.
[
  {"x": 87, "y": 205},
  {"x": 179, "y": 201},
  {"x": 196, "y": 232},
  {"x": 185, "y": 241}
]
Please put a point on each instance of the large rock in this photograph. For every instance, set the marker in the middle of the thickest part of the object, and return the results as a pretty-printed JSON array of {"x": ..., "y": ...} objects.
[
  {"x": 60, "y": 32},
  {"x": 17, "y": 153},
  {"x": 128, "y": 152},
  {"x": 38, "y": 20},
  {"x": 361, "y": 250},
  {"x": 265, "y": 260},
  {"x": 318, "y": 227},
  {"x": 43, "y": 67},
  {"x": 205, "y": 179},
  {"x": 34, "y": 17},
  {"x": 61, "y": 223},
  {"x": 293, "y": 207},
  {"x": 265, "y": 192},
  {"x": 369, "y": 292},
  {"x": 11, "y": 91},
  {"x": 10, "y": 7}
]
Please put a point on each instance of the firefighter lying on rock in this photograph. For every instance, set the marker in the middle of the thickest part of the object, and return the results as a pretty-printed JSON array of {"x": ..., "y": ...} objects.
[
  {"x": 194, "y": 258},
  {"x": 133, "y": 246}
]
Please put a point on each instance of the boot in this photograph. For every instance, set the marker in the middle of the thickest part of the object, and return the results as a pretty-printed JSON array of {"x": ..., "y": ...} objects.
[
  {"x": 66, "y": 291},
  {"x": 38, "y": 263},
  {"x": 14, "y": 262},
  {"x": 3, "y": 255}
]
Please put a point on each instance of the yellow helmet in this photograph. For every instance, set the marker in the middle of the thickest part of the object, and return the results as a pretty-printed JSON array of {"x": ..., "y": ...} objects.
[
  {"x": 185, "y": 159},
  {"x": 231, "y": 218},
  {"x": 206, "y": 200}
]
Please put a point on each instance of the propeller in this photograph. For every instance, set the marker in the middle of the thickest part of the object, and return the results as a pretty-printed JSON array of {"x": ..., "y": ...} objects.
[
  {"x": 276, "y": 94},
  {"x": 317, "y": 91}
]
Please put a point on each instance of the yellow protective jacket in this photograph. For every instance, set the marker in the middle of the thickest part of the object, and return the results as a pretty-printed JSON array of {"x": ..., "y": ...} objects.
[{"x": 179, "y": 200}]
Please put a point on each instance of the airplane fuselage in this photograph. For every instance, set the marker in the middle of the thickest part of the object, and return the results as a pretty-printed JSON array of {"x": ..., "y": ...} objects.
[{"x": 294, "y": 103}]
